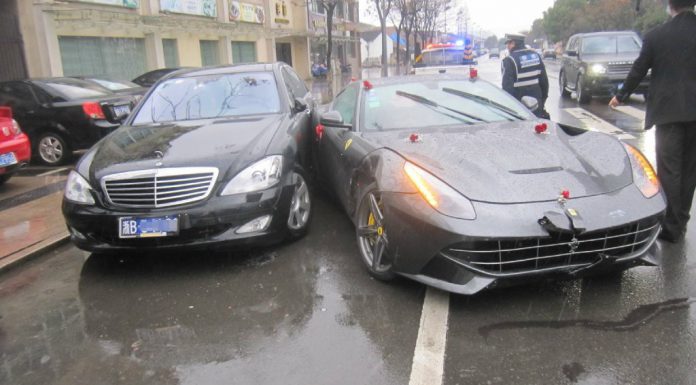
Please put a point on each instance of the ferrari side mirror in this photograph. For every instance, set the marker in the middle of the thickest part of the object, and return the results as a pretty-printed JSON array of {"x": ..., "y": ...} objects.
[
  {"x": 530, "y": 102},
  {"x": 333, "y": 119}
]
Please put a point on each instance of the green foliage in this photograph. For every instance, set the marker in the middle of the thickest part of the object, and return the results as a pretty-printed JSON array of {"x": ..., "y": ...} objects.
[{"x": 568, "y": 17}]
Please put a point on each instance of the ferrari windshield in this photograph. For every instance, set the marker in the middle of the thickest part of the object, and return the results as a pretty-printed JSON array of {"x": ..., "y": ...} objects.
[
  {"x": 434, "y": 103},
  {"x": 211, "y": 96}
]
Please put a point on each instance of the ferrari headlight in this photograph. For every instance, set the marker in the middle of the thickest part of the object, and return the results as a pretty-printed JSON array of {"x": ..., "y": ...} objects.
[
  {"x": 78, "y": 190},
  {"x": 438, "y": 194},
  {"x": 598, "y": 69},
  {"x": 259, "y": 176},
  {"x": 644, "y": 175}
]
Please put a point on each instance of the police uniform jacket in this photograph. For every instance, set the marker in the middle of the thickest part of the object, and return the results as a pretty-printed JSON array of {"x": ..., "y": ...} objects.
[
  {"x": 670, "y": 51},
  {"x": 524, "y": 74}
]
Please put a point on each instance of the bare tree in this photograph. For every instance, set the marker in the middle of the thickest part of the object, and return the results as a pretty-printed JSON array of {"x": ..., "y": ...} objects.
[
  {"x": 426, "y": 18},
  {"x": 329, "y": 6},
  {"x": 383, "y": 8}
]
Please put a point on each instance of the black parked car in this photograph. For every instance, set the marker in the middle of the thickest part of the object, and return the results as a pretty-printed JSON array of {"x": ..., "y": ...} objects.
[
  {"x": 596, "y": 64},
  {"x": 211, "y": 156},
  {"x": 149, "y": 78},
  {"x": 121, "y": 87},
  {"x": 61, "y": 115}
]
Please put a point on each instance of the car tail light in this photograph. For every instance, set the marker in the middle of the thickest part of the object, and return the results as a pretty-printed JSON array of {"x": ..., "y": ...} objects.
[
  {"x": 5, "y": 112},
  {"x": 93, "y": 110},
  {"x": 16, "y": 130}
]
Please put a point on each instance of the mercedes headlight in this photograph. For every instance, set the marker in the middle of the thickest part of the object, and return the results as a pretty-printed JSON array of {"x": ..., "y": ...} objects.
[
  {"x": 438, "y": 194},
  {"x": 644, "y": 175},
  {"x": 598, "y": 69},
  {"x": 78, "y": 190},
  {"x": 259, "y": 176}
]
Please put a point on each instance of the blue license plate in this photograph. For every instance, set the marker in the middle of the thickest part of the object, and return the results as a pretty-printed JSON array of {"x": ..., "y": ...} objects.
[
  {"x": 132, "y": 227},
  {"x": 121, "y": 110},
  {"x": 8, "y": 159}
]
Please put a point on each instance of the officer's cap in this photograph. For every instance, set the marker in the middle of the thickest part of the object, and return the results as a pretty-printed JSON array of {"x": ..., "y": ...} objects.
[{"x": 514, "y": 37}]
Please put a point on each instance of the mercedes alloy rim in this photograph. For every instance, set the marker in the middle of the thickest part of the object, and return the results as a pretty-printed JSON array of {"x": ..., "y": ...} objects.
[{"x": 300, "y": 205}]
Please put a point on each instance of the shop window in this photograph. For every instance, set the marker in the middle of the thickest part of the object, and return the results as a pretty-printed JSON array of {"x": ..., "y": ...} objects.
[
  {"x": 243, "y": 52},
  {"x": 209, "y": 53},
  {"x": 120, "y": 58},
  {"x": 171, "y": 53}
]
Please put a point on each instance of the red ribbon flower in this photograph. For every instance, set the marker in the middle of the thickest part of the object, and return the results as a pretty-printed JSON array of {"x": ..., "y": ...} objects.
[
  {"x": 414, "y": 138},
  {"x": 367, "y": 85},
  {"x": 319, "y": 130},
  {"x": 540, "y": 128},
  {"x": 565, "y": 194},
  {"x": 473, "y": 73}
]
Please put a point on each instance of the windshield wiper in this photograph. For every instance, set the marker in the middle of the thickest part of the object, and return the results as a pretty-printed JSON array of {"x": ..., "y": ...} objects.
[
  {"x": 432, "y": 103},
  {"x": 485, "y": 101}
]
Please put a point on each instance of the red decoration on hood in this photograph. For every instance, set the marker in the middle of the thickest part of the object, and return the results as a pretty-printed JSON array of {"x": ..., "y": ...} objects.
[
  {"x": 473, "y": 73},
  {"x": 367, "y": 85},
  {"x": 541, "y": 128},
  {"x": 319, "y": 130},
  {"x": 414, "y": 138},
  {"x": 565, "y": 194}
]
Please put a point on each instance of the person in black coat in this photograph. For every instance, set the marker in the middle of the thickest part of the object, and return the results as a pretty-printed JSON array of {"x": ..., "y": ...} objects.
[{"x": 670, "y": 51}]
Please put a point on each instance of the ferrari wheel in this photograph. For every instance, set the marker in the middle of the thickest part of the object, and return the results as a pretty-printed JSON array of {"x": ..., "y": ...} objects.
[
  {"x": 300, "y": 212},
  {"x": 373, "y": 241}
]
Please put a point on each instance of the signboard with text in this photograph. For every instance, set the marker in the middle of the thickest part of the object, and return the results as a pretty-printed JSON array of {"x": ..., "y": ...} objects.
[
  {"x": 248, "y": 13},
  {"x": 190, "y": 7}
]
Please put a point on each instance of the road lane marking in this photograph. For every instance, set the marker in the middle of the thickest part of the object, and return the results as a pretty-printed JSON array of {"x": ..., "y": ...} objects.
[
  {"x": 429, "y": 355},
  {"x": 53, "y": 171},
  {"x": 632, "y": 111},
  {"x": 595, "y": 123}
]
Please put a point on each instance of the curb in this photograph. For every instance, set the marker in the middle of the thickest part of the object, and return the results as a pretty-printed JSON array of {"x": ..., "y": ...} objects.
[{"x": 24, "y": 255}]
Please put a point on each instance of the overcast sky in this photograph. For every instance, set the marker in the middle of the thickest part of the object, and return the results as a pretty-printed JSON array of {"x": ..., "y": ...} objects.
[{"x": 494, "y": 16}]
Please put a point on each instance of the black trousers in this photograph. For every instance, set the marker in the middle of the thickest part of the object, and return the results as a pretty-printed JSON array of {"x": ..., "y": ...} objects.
[{"x": 676, "y": 168}]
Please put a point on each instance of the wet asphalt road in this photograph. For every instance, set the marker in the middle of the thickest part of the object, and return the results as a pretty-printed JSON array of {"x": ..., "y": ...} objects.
[{"x": 307, "y": 313}]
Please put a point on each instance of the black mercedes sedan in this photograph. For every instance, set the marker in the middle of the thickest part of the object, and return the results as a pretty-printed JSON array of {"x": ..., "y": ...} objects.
[
  {"x": 452, "y": 182},
  {"x": 210, "y": 157}
]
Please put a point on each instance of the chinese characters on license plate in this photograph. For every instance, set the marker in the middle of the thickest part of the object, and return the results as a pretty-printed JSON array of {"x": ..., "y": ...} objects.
[
  {"x": 8, "y": 159},
  {"x": 132, "y": 227}
]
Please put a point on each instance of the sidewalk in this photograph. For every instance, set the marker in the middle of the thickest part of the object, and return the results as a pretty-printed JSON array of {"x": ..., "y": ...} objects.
[{"x": 30, "y": 217}]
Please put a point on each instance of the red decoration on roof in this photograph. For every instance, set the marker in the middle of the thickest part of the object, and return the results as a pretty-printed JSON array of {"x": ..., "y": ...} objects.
[
  {"x": 367, "y": 85},
  {"x": 473, "y": 73},
  {"x": 319, "y": 130},
  {"x": 541, "y": 128},
  {"x": 565, "y": 194},
  {"x": 414, "y": 138}
]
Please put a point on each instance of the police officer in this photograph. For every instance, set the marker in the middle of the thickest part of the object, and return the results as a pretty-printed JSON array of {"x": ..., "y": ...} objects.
[{"x": 524, "y": 73}]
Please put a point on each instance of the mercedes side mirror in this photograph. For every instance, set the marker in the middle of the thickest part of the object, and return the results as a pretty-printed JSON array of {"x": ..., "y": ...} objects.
[
  {"x": 333, "y": 119},
  {"x": 530, "y": 102},
  {"x": 300, "y": 105}
]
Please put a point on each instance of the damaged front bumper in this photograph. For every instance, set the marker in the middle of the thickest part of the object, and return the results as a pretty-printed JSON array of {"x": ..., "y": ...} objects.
[{"x": 505, "y": 245}]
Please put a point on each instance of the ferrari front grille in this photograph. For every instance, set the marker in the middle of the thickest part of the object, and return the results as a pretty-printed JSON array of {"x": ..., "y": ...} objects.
[
  {"x": 512, "y": 256},
  {"x": 157, "y": 188}
]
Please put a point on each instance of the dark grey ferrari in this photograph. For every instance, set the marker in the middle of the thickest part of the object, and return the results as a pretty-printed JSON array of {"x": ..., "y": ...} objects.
[
  {"x": 210, "y": 157},
  {"x": 453, "y": 183}
]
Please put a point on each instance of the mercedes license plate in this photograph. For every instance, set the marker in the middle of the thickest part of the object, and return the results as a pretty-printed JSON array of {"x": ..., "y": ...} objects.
[
  {"x": 121, "y": 110},
  {"x": 8, "y": 159},
  {"x": 133, "y": 227}
]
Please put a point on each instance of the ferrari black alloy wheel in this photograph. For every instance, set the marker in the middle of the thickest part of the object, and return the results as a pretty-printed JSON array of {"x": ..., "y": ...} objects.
[{"x": 372, "y": 236}]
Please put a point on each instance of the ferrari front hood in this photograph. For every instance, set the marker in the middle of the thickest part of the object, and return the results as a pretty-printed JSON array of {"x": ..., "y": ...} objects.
[{"x": 511, "y": 163}]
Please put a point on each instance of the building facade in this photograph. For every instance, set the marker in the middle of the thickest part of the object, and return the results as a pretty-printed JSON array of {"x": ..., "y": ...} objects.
[{"x": 125, "y": 38}]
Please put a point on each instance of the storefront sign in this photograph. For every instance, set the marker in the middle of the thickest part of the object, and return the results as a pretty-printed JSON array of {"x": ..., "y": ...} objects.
[
  {"x": 248, "y": 13},
  {"x": 282, "y": 15},
  {"x": 317, "y": 22},
  {"x": 119, "y": 3},
  {"x": 190, "y": 7}
]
